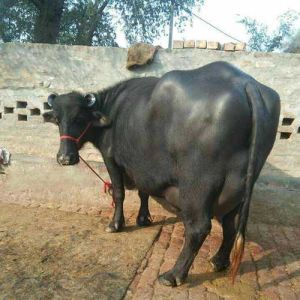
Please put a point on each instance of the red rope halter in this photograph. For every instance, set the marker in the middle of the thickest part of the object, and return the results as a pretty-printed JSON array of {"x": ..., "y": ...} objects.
[
  {"x": 107, "y": 186},
  {"x": 76, "y": 140}
]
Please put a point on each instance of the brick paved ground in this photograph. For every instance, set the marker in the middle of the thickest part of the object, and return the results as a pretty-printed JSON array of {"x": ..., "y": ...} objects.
[{"x": 270, "y": 268}]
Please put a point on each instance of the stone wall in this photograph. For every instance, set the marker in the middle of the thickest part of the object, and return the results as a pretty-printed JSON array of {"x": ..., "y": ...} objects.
[{"x": 29, "y": 72}]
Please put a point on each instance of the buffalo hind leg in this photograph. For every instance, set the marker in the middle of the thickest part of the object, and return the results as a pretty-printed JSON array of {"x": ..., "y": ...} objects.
[
  {"x": 221, "y": 260},
  {"x": 195, "y": 234},
  {"x": 195, "y": 206},
  {"x": 143, "y": 218}
]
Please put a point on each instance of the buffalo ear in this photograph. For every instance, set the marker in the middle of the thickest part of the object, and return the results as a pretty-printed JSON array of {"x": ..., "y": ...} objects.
[
  {"x": 49, "y": 117},
  {"x": 101, "y": 120},
  {"x": 51, "y": 99}
]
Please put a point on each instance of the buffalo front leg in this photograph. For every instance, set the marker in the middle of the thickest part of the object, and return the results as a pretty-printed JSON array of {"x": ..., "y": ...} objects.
[
  {"x": 143, "y": 218},
  {"x": 118, "y": 220},
  {"x": 115, "y": 174}
]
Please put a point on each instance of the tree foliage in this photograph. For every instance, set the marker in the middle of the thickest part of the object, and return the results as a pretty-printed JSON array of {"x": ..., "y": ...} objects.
[
  {"x": 89, "y": 22},
  {"x": 294, "y": 45},
  {"x": 17, "y": 20},
  {"x": 263, "y": 40},
  {"x": 145, "y": 20}
]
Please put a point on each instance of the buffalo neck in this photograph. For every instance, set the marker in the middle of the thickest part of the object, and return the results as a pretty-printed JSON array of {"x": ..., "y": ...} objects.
[
  {"x": 108, "y": 99},
  {"x": 108, "y": 102}
]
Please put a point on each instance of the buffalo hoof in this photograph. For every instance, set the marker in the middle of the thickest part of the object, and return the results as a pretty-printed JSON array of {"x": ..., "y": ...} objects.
[
  {"x": 169, "y": 279},
  {"x": 143, "y": 221},
  {"x": 218, "y": 265},
  {"x": 114, "y": 227}
]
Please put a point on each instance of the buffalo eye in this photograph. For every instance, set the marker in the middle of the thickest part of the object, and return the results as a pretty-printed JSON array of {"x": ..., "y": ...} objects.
[
  {"x": 51, "y": 99},
  {"x": 90, "y": 99}
]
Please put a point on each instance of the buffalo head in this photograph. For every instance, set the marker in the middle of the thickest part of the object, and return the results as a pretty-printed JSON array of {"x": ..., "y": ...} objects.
[{"x": 77, "y": 117}]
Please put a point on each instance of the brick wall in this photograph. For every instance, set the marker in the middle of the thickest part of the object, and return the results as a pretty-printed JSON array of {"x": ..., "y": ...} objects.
[{"x": 29, "y": 72}]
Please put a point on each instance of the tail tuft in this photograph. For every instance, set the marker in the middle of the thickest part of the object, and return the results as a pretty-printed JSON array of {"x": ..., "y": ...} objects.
[{"x": 237, "y": 255}]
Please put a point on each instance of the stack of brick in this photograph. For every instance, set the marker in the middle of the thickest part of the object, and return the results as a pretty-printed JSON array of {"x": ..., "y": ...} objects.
[{"x": 210, "y": 45}]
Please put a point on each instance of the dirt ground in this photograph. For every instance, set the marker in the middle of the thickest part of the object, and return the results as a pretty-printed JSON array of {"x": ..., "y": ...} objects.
[{"x": 46, "y": 254}]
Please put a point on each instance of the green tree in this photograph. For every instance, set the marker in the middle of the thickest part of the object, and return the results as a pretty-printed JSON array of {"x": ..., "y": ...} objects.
[
  {"x": 89, "y": 22},
  {"x": 294, "y": 45},
  {"x": 146, "y": 20},
  {"x": 16, "y": 20},
  {"x": 263, "y": 40}
]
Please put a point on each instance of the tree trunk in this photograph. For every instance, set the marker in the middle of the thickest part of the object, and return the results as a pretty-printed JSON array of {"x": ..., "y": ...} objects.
[
  {"x": 89, "y": 25},
  {"x": 48, "y": 20}
]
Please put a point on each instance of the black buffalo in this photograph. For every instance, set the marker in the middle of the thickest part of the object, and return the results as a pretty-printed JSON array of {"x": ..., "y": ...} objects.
[{"x": 195, "y": 140}]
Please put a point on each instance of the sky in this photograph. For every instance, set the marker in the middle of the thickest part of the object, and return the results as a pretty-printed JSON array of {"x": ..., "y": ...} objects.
[{"x": 225, "y": 14}]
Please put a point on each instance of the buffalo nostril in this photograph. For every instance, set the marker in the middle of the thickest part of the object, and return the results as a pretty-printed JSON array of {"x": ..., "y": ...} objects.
[
  {"x": 63, "y": 160},
  {"x": 66, "y": 160},
  {"x": 60, "y": 158},
  {"x": 70, "y": 159}
]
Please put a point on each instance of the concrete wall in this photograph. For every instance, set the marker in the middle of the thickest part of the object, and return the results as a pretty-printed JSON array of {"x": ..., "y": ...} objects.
[{"x": 29, "y": 72}]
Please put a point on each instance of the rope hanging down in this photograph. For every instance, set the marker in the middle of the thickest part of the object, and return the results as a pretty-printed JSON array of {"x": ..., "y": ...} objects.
[{"x": 107, "y": 185}]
